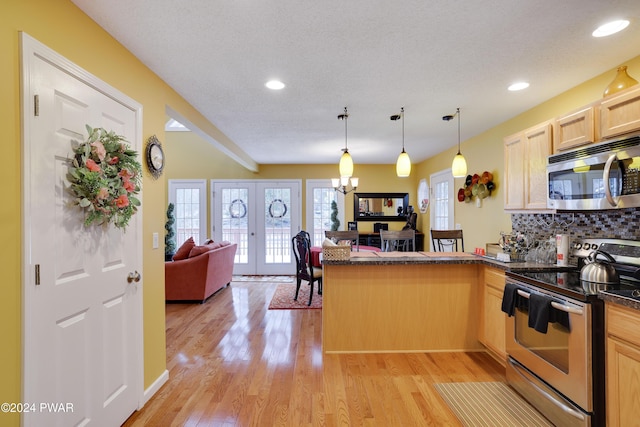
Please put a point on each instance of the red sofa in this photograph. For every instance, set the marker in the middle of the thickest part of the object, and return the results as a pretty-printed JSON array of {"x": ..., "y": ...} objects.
[{"x": 206, "y": 270}]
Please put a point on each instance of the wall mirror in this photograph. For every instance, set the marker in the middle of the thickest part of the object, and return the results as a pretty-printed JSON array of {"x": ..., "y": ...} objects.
[{"x": 380, "y": 206}]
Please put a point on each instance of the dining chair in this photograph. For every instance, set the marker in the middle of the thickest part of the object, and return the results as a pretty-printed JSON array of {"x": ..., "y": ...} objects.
[
  {"x": 404, "y": 240},
  {"x": 446, "y": 239},
  {"x": 301, "y": 243},
  {"x": 351, "y": 235}
]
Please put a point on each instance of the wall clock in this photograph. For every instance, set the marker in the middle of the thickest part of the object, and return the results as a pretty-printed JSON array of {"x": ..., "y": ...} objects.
[{"x": 155, "y": 157}]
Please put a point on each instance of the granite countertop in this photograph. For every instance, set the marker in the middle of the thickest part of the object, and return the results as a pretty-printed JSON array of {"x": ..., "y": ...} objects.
[
  {"x": 622, "y": 297},
  {"x": 389, "y": 258}
]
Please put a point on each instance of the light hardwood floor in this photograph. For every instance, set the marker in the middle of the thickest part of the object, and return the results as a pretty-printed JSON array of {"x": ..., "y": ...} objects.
[{"x": 232, "y": 362}]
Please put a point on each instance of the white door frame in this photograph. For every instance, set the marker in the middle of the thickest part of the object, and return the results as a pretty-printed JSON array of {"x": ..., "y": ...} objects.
[{"x": 30, "y": 48}]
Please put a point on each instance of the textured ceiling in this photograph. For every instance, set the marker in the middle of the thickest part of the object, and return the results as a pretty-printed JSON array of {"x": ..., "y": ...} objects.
[{"x": 428, "y": 56}]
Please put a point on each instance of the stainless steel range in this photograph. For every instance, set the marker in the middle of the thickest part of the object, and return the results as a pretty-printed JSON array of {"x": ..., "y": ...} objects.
[{"x": 555, "y": 336}]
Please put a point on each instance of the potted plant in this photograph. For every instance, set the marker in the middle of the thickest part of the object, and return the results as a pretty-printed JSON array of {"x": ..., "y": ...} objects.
[
  {"x": 169, "y": 238},
  {"x": 335, "y": 222}
]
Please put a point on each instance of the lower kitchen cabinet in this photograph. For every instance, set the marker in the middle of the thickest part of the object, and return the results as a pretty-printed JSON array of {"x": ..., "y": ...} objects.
[
  {"x": 623, "y": 365},
  {"x": 492, "y": 319}
]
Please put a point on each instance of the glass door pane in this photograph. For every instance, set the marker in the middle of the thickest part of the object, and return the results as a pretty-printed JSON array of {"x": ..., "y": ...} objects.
[
  {"x": 280, "y": 222},
  {"x": 235, "y": 225},
  {"x": 277, "y": 220}
]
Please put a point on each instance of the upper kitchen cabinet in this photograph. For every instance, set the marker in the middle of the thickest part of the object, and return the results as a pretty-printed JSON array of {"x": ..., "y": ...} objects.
[
  {"x": 525, "y": 166},
  {"x": 574, "y": 129},
  {"x": 620, "y": 113}
]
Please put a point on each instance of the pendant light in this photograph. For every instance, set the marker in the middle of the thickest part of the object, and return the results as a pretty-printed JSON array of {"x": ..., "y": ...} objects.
[
  {"x": 346, "y": 162},
  {"x": 403, "y": 164},
  {"x": 459, "y": 164},
  {"x": 346, "y": 165}
]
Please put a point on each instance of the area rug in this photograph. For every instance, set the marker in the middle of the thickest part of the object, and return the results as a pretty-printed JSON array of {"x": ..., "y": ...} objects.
[
  {"x": 256, "y": 278},
  {"x": 489, "y": 404},
  {"x": 283, "y": 297}
]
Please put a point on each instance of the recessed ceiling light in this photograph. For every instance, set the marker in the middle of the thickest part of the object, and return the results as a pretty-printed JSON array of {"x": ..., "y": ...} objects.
[
  {"x": 610, "y": 28},
  {"x": 274, "y": 84},
  {"x": 518, "y": 86}
]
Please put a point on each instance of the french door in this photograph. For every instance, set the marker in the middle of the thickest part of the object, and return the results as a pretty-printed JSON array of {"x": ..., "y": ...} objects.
[{"x": 261, "y": 217}]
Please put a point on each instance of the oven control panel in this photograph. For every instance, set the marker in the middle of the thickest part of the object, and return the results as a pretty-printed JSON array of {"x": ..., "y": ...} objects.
[{"x": 623, "y": 251}]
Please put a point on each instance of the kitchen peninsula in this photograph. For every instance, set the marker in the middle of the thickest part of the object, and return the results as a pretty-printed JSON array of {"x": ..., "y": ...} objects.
[{"x": 403, "y": 302}]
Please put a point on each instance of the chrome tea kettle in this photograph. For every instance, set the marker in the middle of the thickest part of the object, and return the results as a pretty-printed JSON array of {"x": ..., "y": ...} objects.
[{"x": 599, "y": 271}]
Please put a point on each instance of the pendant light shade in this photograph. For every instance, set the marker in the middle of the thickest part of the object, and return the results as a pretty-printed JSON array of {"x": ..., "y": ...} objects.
[
  {"x": 403, "y": 164},
  {"x": 459, "y": 164},
  {"x": 346, "y": 164}
]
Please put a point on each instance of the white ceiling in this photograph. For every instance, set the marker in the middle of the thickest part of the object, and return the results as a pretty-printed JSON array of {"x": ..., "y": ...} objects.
[{"x": 372, "y": 56}]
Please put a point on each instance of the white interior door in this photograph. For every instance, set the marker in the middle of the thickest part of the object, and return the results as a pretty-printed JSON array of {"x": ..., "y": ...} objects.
[
  {"x": 261, "y": 217},
  {"x": 82, "y": 318}
]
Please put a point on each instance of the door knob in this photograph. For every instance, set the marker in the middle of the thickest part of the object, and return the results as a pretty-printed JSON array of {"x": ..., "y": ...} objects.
[{"x": 133, "y": 277}]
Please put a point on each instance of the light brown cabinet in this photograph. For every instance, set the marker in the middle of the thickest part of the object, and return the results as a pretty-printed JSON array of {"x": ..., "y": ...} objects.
[
  {"x": 620, "y": 113},
  {"x": 492, "y": 319},
  {"x": 525, "y": 166},
  {"x": 574, "y": 129},
  {"x": 623, "y": 365}
]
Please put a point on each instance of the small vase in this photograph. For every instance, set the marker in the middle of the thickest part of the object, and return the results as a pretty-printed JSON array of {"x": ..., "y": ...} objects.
[{"x": 622, "y": 81}]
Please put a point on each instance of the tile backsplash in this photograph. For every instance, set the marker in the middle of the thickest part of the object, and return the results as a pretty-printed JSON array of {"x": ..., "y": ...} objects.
[{"x": 612, "y": 224}]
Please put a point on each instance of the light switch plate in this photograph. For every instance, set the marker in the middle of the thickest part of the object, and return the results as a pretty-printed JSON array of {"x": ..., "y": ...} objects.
[{"x": 155, "y": 240}]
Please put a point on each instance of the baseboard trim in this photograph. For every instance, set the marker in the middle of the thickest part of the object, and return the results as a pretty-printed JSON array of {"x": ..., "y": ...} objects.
[{"x": 154, "y": 387}]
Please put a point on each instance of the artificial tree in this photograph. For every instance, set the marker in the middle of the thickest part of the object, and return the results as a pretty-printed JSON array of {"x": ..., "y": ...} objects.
[
  {"x": 169, "y": 238},
  {"x": 335, "y": 222}
]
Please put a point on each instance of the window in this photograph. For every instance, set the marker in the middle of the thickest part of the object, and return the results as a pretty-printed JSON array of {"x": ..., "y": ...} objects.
[
  {"x": 189, "y": 199},
  {"x": 320, "y": 194},
  {"x": 442, "y": 215}
]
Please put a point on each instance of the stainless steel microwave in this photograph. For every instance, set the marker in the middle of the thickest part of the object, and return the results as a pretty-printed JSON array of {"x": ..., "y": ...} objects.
[{"x": 597, "y": 177}]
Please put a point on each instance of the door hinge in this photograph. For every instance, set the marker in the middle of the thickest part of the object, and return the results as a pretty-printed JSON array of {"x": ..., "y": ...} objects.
[
  {"x": 36, "y": 105},
  {"x": 37, "y": 274}
]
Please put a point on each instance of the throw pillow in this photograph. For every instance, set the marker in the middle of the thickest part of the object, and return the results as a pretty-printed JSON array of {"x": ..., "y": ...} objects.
[
  {"x": 183, "y": 251},
  {"x": 199, "y": 250}
]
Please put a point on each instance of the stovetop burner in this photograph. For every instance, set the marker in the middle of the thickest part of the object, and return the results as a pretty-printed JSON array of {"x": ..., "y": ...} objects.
[
  {"x": 626, "y": 254},
  {"x": 568, "y": 283}
]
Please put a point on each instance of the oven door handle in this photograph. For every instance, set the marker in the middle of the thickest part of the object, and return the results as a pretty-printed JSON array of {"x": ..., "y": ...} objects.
[
  {"x": 566, "y": 308},
  {"x": 555, "y": 305},
  {"x": 550, "y": 398}
]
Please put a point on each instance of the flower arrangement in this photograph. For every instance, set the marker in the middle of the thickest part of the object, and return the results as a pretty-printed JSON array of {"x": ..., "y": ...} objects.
[{"x": 105, "y": 178}]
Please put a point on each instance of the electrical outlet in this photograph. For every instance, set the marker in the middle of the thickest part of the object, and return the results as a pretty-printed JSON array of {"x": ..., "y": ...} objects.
[{"x": 155, "y": 240}]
